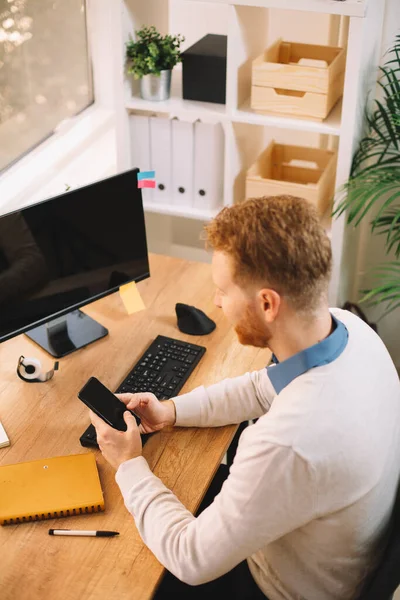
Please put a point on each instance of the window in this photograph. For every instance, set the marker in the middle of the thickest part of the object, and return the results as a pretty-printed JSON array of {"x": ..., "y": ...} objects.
[{"x": 45, "y": 74}]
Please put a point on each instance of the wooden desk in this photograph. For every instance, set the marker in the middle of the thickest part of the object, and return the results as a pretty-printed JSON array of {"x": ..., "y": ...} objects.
[{"x": 46, "y": 419}]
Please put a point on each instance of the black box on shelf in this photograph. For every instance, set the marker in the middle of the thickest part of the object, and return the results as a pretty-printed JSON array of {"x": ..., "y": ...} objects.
[{"x": 204, "y": 70}]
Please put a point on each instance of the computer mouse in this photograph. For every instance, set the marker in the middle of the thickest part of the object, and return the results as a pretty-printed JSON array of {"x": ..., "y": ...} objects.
[{"x": 192, "y": 320}]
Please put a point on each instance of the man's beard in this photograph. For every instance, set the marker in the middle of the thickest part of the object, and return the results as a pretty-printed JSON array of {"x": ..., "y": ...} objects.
[{"x": 251, "y": 331}]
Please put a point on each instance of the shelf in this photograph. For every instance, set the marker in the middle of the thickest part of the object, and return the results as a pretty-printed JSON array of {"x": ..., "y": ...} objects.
[
  {"x": 181, "y": 211},
  {"x": 177, "y": 107},
  {"x": 330, "y": 126},
  {"x": 351, "y": 8},
  {"x": 206, "y": 215}
]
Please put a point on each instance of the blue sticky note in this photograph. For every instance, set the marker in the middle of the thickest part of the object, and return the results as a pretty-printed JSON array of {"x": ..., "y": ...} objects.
[{"x": 146, "y": 175}]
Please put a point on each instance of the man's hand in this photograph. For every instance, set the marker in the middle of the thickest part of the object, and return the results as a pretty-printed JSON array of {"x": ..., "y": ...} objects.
[
  {"x": 153, "y": 414},
  {"x": 118, "y": 446}
]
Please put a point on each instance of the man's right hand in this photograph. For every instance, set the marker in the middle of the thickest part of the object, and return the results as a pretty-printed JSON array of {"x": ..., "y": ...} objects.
[{"x": 153, "y": 413}]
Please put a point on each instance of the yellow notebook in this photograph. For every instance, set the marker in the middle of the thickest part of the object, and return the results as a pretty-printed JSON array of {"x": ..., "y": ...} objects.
[{"x": 54, "y": 487}]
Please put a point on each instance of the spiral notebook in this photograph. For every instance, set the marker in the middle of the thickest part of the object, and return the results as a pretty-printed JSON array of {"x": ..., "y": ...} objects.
[{"x": 54, "y": 487}]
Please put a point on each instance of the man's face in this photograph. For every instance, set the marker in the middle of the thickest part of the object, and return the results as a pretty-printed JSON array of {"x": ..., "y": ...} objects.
[{"x": 241, "y": 306}]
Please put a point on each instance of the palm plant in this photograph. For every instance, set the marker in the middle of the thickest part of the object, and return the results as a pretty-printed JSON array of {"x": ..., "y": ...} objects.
[{"x": 375, "y": 181}]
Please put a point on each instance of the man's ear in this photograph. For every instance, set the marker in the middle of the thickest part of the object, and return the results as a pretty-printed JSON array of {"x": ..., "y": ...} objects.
[{"x": 269, "y": 301}]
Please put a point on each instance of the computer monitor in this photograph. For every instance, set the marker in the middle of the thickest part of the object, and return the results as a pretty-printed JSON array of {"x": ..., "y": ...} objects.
[{"x": 62, "y": 253}]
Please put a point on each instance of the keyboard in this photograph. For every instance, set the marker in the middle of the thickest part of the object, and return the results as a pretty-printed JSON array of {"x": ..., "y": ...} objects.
[{"x": 163, "y": 369}]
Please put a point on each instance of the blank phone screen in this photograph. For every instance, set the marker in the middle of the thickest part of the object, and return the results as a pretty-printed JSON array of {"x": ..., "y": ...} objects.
[{"x": 103, "y": 402}]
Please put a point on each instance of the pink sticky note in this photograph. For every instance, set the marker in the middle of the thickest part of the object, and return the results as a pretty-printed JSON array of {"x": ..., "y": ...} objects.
[{"x": 146, "y": 183}]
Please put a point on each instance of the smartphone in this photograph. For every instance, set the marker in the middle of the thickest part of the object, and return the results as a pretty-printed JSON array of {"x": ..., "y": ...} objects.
[{"x": 104, "y": 403}]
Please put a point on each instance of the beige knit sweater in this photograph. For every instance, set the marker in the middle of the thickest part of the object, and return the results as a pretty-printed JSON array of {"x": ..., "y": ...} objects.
[{"x": 311, "y": 489}]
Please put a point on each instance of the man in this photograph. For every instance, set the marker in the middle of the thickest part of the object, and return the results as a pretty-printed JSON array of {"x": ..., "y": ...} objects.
[{"x": 309, "y": 496}]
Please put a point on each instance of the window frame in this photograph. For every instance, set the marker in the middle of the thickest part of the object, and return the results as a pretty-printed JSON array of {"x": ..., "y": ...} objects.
[{"x": 21, "y": 181}]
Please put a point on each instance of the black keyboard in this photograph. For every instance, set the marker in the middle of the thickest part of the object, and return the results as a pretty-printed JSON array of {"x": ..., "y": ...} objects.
[{"x": 163, "y": 369}]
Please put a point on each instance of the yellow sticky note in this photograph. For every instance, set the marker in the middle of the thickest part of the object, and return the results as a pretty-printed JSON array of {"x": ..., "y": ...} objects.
[{"x": 131, "y": 298}]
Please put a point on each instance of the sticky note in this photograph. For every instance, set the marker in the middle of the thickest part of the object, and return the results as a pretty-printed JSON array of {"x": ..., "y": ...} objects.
[
  {"x": 131, "y": 298},
  {"x": 147, "y": 183},
  {"x": 146, "y": 175}
]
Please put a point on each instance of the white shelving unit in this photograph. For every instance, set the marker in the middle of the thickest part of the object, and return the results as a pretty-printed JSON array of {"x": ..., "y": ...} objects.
[
  {"x": 251, "y": 26},
  {"x": 181, "y": 211},
  {"x": 176, "y": 106}
]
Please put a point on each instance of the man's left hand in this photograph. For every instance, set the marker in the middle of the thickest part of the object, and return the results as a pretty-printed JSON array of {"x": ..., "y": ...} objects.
[{"x": 118, "y": 446}]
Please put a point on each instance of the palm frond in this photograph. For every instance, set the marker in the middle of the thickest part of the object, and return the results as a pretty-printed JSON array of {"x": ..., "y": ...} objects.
[
  {"x": 388, "y": 224},
  {"x": 363, "y": 191},
  {"x": 387, "y": 290},
  {"x": 375, "y": 181},
  {"x": 382, "y": 141}
]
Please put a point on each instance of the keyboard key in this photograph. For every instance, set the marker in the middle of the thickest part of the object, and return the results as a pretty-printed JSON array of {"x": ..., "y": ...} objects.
[{"x": 190, "y": 358}]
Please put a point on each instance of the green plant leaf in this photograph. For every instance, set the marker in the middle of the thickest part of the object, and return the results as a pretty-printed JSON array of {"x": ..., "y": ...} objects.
[
  {"x": 151, "y": 53},
  {"x": 387, "y": 290}
]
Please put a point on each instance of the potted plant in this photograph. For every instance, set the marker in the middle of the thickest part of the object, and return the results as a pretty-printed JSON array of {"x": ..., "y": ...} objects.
[
  {"x": 151, "y": 58},
  {"x": 375, "y": 182}
]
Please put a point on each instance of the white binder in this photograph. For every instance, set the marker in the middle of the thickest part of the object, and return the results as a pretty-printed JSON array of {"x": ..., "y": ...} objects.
[
  {"x": 182, "y": 162},
  {"x": 160, "y": 140},
  {"x": 140, "y": 148},
  {"x": 208, "y": 165}
]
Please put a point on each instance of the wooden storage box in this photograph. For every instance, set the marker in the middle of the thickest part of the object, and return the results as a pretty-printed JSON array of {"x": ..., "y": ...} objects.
[
  {"x": 301, "y": 80},
  {"x": 294, "y": 170}
]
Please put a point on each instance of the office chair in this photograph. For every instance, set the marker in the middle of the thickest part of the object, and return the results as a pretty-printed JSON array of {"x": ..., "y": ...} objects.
[{"x": 385, "y": 580}]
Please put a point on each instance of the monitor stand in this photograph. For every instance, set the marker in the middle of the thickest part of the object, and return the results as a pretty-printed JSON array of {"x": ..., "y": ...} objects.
[{"x": 67, "y": 334}]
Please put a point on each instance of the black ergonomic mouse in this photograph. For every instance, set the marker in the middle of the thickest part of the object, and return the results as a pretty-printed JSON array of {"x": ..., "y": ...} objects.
[{"x": 192, "y": 320}]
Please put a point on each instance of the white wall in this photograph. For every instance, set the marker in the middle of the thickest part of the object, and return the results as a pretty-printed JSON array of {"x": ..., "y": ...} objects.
[{"x": 371, "y": 249}]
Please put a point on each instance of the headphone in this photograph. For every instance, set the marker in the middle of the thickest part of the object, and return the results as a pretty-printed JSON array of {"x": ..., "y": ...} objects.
[{"x": 30, "y": 370}]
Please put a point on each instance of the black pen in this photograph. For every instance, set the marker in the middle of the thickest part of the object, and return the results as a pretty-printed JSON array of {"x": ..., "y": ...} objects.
[{"x": 83, "y": 532}]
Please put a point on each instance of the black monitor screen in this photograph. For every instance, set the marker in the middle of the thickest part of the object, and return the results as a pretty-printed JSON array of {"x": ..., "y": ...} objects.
[{"x": 65, "y": 252}]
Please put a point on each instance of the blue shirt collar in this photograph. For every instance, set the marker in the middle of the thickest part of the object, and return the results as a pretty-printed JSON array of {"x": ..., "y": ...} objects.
[{"x": 281, "y": 374}]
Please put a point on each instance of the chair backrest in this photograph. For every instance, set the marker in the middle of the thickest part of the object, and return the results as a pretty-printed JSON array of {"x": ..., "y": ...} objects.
[{"x": 386, "y": 578}]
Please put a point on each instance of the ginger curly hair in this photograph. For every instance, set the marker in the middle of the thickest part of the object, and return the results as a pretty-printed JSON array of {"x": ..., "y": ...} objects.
[{"x": 276, "y": 241}]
